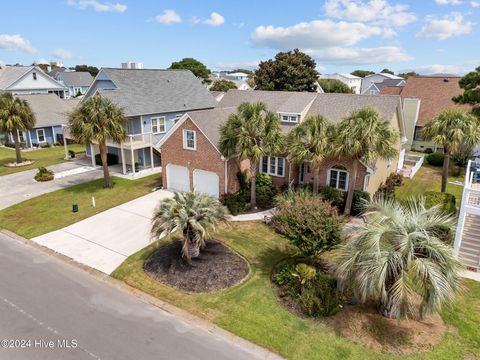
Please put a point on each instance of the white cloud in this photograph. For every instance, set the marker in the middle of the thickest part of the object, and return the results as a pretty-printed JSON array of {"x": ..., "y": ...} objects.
[
  {"x": 16, "y": 43},
  {"x": 443, "y": 28},
  {"x": 375, "y": 11},
  {"x": 315, "y": 34},
  {"x": 62, "y": 54},
  {"x": 475, "y": 4},
  {"x": 2, "y": 62},
  {"x": 460, "y": 69},
  {"x": 215, "y": 19},
  {"x": 42, "y": 61},
  {"x": 168, "y": 17},
  {"x": 98, "y": 6},
  {"x": 448, "y": 2},
  {"x": 359, "y": 56}
]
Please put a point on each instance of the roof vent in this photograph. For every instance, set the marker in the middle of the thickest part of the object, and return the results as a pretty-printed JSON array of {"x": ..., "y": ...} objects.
[{"x": 446, "y": 80}]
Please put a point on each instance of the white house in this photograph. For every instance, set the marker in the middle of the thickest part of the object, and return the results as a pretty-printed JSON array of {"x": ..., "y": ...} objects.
[
  {"x": 377, "y": 78},
  {"x": 352, "y": 81}
]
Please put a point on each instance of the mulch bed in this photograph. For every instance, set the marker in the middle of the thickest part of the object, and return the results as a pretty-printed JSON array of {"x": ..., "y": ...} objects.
[
  {"x": 217, "y": 268},
  {"x": 14, "y": 164}
]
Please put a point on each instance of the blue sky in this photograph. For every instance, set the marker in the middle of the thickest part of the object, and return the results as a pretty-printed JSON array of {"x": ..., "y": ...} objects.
[{"x": 342, "y": 35}]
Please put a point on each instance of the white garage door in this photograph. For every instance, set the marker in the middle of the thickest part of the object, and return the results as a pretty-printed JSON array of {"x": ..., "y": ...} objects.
[
  {"x": 177, "y": 178},
  {"x": 206, "y": 182}
]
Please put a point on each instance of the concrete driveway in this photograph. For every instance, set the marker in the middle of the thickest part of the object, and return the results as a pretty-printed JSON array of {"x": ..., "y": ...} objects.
[
  {"x": 105, "y": 240},
  {"x": 21, "y": 186}
]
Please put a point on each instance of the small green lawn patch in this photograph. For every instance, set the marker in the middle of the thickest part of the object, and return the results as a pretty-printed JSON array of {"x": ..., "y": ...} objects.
[
  {"x": 53, "y": 211},
  {"x": 429, "y": 178},
  {"x": 251, "y": 310},
  {"x": 42, "y": 157}
]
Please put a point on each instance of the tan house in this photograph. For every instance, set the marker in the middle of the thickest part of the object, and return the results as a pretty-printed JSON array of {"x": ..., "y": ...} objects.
[{"x": 191, "y": 158}]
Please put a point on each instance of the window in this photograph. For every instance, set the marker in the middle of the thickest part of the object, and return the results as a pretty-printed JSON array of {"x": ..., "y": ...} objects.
[
  {"x": 177, "y": 117},
  {"x": 418, "y": 133},
  {"x": 189, "y": 140},
  {"x": 21, "y": 136},
  {"x": 289, "y": 118},
  {"x": 273, "y": 165},
  {"x": 158, "y": 125},
  {"x": 34, "y": 74},
  {"x": 338, "y": 178},
  {"x": 77, "y": 90},
  {"x": 41, "y": 135}
]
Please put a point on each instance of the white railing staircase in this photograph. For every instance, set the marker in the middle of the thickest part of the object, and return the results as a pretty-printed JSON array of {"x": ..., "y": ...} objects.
[{"x": 469, "y": 249}]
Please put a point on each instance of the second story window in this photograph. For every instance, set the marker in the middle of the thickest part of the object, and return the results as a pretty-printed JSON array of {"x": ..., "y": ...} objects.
[
  {"x": 158, "y": 125},
  {"x": 34, "y": 76},
  {"x": 189, "y": 140},
  {"x": 288, "y": 118}
]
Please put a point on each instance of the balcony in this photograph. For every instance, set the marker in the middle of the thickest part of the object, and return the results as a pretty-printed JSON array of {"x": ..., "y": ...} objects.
[{"x": 133, "y": 142}]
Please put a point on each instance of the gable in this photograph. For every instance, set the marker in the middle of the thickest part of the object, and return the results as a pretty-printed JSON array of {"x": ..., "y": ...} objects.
[{"x": 42, "y": 81}]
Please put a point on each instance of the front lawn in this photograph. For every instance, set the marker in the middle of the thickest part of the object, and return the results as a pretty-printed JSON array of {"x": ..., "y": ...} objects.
[
  {"x": 42, "y": 157},
  {"x": 429, "y": 178},
  {"x": 251, "y": 310},
  {"x": 53, "y": 211}
]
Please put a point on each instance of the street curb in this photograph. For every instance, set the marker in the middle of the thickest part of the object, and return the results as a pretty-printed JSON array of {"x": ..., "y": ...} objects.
[{"x": 183, "y": 315}]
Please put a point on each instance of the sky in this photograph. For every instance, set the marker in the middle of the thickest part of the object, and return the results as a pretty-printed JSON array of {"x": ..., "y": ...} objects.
[{"x": 428, "y": 36}]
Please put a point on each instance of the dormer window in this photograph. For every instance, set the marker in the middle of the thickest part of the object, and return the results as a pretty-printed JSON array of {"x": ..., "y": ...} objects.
[
  {"x": 289, "y": 118},
  {"x": 34, "y": 76}
]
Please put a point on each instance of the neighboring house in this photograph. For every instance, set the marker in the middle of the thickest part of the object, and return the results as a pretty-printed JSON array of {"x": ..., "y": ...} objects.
[
  {"x": 153, "y": 100},
  {"x": 352, "y": 81},
  {"x": 424, "y": 97},
  {"x": 376, "y": 78},
  {"x": 77, "y": 82},
  {"x": 467, "y": 236},
  {"x": 238, "y": 78},
  {"x": 51, "y": 114},
  {"x": 376, "y": 88},
  {"x": 29, "y": 80},
  {"x": 192, "y": 160}
]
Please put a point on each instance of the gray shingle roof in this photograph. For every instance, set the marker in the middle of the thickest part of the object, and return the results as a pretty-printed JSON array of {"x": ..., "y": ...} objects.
[
  {"x": 333, "y": 106},
  {"x": 9, "y": 74},
  {"x": 152, "y": 91},
  {"x": 389, "y": 82},
  {"x": 49, "y": 109},
  {"x": 76, "y": 78}
]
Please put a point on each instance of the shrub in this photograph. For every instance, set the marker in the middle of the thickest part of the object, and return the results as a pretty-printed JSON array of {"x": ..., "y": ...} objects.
[
  {"x": 10, "y": 145},
  {"x": 235, "y": 203},
  {"x": 309, "y": 223},
  {"x": 435, "y": 159},
  {"x": 461, "y": 157},
  {"x": 44, "y": 146},
  {"x": 358, "y": 203},
  {"x": 266, "y": 191},
  {"x": 428, "y": 151},
  {"x": 112, "y": 159},
  {"x": 393, "y": 181},
  {"x": 335, "y": 197},
  {"x": 44, "y": 174},
  {"x": 445, "y": 200}
]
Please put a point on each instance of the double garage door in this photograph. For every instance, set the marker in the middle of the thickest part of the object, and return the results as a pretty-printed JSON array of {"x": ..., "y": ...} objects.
[{"x": 178, "y": 178}]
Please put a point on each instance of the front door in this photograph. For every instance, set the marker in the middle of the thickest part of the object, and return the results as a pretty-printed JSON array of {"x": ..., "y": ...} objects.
[{"x": 301, "y": 176}]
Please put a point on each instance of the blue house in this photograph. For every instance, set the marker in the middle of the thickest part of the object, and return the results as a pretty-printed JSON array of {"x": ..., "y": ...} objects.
[
  {"x": 51, "y": 114},
  {"x": 153, "y": 100},
  {"x": 77, "y": 82}
]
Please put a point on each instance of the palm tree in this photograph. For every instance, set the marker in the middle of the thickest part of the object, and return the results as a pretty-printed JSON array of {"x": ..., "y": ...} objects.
[
  {"x": 452, "y": 129},
  {"x": 15, "y": 116},
  {"x": 98, "y": 119},
  {"x": 363, "y": 136},
  {"x": 309, "y": 141},
  {"x": 191, "y": 213},
  {"x": 251, "y": 133},
  {"x": 398, "y": 257}
]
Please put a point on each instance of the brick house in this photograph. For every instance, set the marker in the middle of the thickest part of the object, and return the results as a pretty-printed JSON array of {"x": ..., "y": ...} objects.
[{"x": 191, "y": 158}]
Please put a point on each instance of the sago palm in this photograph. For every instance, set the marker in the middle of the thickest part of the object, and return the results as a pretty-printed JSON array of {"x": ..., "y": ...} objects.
[
  {"x": 98, "y": 119},
  {"x": 364, "y": 135},
  {"x": 452, "y": 129},
  {"x": 193, "y": 215},
  {"x": 15, "y": 116},
  {"x": 398, "y": 257},
  {"x": 310, "y": 141},
  {"x": 250, "y": 133}
]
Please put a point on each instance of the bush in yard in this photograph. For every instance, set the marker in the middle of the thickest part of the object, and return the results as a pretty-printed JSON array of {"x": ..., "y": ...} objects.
[
  {"x": 393, "y": 181},
  {"x": 360, "y": 198},
  {"x": 112, "y": 159},
  {"x": 44, "y": 174},
  {"x": 435, "y": 159},
  {"x": 235, "y": 203},
  {"x": 44, "y": 146},
  {"x": 446, "y": 201},
  {"x": 335, "y": 197},
  {"x": 309, "y": 223},
  {"x": 266, "y": 191},
  {"x": 461, "y": 156},
  {"x": 428, "y": 151}
]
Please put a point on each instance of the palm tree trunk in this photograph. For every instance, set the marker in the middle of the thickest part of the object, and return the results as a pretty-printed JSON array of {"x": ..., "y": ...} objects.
[
  {"x": 446, "y": 163},
  {"x": 316, "y": 181},
  {"x": 253, "y": 185},
  {"x": 16, "y": 140},
  {"x": 351, "y": 187},
  {"x": 387, "y": 309},
  {"x": 107, "y": 183}
]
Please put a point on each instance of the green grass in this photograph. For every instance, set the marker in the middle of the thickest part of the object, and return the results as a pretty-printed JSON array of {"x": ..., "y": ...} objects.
[
  {"x": 251, "y": 310},
  {"x": 52, "y": 211},
  {"x": 42, "y": 157},
  {"x": 429, "y": 178}
]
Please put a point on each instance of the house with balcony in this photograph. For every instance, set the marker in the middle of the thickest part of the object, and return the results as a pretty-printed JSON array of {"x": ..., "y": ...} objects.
[
  {"x": 153, "y": 100},
  {"x": 77, "y": 82},
  {"x": 467, "y": 236}
]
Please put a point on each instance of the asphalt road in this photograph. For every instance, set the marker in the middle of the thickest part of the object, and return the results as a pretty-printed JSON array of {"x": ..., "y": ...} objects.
[{"x": 52, "y": 310}]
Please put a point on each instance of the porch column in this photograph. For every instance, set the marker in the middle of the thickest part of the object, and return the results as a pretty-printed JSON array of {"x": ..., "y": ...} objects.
[
  {"x": 151, "y": 151},
  {"x": 124, "y": 166},
  {"x": 30, "y": 139},
  {"x": 53, "y": 136},
  {"x": 133, "y": 157},
  {"x": 92, "y": 154}
]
